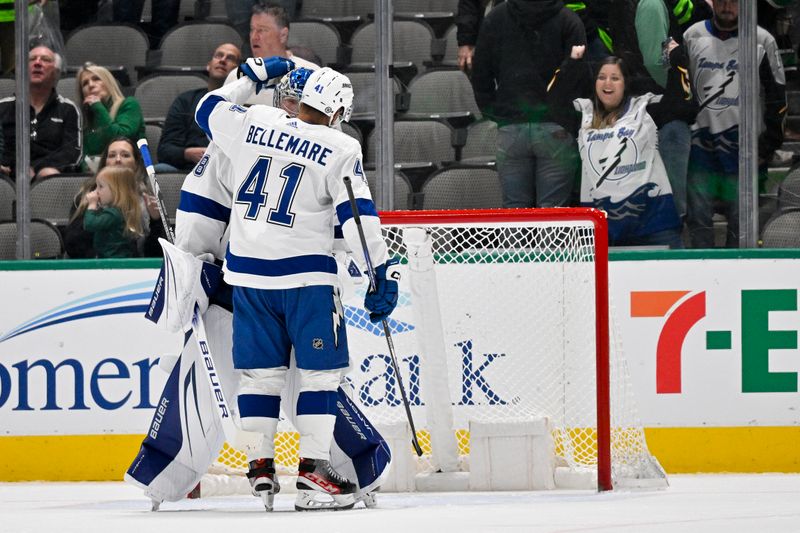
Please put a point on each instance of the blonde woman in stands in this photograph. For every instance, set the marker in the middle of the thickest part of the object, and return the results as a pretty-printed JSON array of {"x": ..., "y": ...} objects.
[{"x": 107, "y": 113}]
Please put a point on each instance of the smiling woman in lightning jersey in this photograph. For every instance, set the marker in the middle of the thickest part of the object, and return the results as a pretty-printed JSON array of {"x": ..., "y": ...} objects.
[{"x": 622, "y": 171}]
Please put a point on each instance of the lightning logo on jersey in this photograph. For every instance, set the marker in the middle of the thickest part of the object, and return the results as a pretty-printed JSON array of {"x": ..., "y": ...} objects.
[{"x": 338, "y": 317}]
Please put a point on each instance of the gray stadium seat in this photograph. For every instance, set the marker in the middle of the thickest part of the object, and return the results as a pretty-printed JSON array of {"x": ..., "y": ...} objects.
[
  {"x": 341, "y": 8},
  {"x": 51, "y": 198},
  {"x": 412, "y": 42},
  {"x": 353, "y": 132},
  {"x": 170, "y": 184},
  {"x": 108, "y": 45},
  {"x": 364, "y": 91},
  {"x": 322, "y": 38},
  {"x": 789, "y": 191},
  {"x": 451, "y": 45},
  {"x": 417, "y": 140},
  {"x": 68, "y": 88},
  {"x": 153, "y": 135},
  {"x": 8, "y": 195},
  {"x": 462, "y": 188},
  {"x": 157, "y": 92},
  {"x": 185, "y": 12},
  {"x": 7, "y": 87},
  {"x": 421, "y": 6},
  {"x": 442, "y": 91},
  {"x": 46, "y": 241},
  {"x": 481, "y": 142},
  {"x": 403, "y": 198},
  {"x": 193, "y": 44},
  {"x": 782, "y": 230}
]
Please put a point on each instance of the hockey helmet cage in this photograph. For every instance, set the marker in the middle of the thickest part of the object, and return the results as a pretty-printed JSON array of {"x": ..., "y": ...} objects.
[
  {"x": 289, "y": 90},
  {"x": 328, "y": 91}
]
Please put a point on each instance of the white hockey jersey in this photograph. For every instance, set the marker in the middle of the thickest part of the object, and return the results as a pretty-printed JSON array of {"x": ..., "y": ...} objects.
[
  {"x": 622, "y": 171},
  {"x": 287, "y": 185},
  {"x": 714, "y": 67}
]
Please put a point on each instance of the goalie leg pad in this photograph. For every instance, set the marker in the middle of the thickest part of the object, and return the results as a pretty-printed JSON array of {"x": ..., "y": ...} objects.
[{"x": 184, "y": 437}]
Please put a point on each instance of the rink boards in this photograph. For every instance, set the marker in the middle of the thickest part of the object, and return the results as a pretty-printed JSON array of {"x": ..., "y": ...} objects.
[{"x": 710, "y": 338}]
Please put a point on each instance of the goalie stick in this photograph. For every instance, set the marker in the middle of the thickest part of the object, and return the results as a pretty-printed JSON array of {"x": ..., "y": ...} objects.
[
  {"x": 197, "y": 319},
  {"x": 386, "y": 332}
]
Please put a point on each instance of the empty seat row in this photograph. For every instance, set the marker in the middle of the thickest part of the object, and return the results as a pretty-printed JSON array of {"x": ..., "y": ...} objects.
[{"x": 189, "y": 46}]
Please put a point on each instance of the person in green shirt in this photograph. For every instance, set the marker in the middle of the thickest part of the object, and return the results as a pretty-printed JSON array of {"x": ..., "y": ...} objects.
[
  {"x": 107, "y": 113},
  {"x": 114, "y": 213}
]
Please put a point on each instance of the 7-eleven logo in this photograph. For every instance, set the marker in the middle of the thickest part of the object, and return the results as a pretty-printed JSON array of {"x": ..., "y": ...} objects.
[{"x": 683, "y": 310}]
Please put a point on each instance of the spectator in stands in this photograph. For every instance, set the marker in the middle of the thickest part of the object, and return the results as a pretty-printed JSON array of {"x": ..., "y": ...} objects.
[
  {"x": 622, "y": 171},
  {"x": 240, "y": 14},
  {"x": 55, "y": 131},
  {"x": 113, "y": 213},
  {"x": 593, "y": 13},
  {"x": 520, "y": 46},
  {"x": 163, "y": 17},
  {"x": 269, "y": 36},
  {"x": 713, "y": 174},
  {"x": 656, "y": 22},
  {"x": 182, "y": 142},
  {"x": 121, "y": 152},
  {"x": 107, "y": 113}
]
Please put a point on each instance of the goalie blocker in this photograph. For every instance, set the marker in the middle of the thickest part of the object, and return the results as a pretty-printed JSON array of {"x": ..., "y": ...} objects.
[{"x": 186, "y": 433}]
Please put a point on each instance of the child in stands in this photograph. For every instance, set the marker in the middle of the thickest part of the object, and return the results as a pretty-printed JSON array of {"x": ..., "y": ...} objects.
[{"x": 114, "y": 213}]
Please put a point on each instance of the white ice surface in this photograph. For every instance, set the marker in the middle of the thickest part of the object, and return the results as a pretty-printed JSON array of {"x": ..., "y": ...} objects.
[{"x": 718, "y": 503}]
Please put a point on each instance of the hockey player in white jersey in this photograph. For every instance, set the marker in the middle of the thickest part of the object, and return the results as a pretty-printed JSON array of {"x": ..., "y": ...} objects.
[
  {"x": 287, "y": 187},
  {"x": 178, "y": 450}
]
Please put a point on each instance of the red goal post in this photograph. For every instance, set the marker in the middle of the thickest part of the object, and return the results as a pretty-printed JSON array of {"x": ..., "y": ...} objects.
[{"x": 598, "y": 219}]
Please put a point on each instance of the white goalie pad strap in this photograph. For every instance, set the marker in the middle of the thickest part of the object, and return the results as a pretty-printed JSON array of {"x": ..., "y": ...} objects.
[{"x": 184, "y": 280}]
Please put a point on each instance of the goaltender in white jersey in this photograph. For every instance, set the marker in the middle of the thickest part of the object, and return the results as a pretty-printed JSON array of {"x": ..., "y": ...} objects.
[{"x": 288, "y": 195}]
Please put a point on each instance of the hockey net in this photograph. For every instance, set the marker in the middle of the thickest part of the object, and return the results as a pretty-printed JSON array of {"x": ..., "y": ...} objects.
[{"x": 502, "y": 319}]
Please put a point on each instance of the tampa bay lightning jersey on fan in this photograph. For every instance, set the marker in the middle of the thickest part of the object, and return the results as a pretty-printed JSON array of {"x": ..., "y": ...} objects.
[
  {"x": 714, "y": 68},
  {"x": 288, "y": 191},
  {"x": 623, "y": 173}
]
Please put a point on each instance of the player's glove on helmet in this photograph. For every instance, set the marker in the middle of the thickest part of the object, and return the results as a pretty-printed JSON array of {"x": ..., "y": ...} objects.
[
  {"x": 259, "y": 70},
  {"x": 381, "y": 302}
]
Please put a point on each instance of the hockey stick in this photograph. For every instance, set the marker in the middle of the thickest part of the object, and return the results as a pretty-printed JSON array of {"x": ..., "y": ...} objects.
[
  {"x": 198, "y": 325},
  {"x": 386, "y": 332}
]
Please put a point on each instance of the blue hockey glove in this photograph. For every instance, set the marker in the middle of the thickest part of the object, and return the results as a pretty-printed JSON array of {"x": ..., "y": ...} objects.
[
  {"x": 381, "y": 302},
  {"x": 259, "y": 70}
]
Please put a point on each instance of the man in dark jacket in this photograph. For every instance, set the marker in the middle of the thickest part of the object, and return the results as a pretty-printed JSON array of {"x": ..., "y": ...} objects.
[
  {"x": 182, "y": 142},
  {"x": 55, "y": 131},
  {"x": 521, "y": 45}
]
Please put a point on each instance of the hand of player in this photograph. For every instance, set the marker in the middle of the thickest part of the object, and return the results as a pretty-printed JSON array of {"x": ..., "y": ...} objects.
[
  {"x": 577, "y": 52},
  {"x": 151, "y": 202},
  {"x": 381, "y": 302},
  {"x": 465, "y": 53},
  {"x": 259, "y": 70}
]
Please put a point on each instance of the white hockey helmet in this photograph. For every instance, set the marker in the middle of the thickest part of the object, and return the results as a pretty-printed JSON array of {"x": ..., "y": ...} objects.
[{"x": 328, "y": 91}]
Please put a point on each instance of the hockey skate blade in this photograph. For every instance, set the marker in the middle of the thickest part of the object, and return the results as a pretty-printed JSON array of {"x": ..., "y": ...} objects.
[
  {"x": 268, "y": 498},
  {"x": 267, "y": 491},
  {"x": 370, "y": 500},
  {"x": 309, "y": 500}
]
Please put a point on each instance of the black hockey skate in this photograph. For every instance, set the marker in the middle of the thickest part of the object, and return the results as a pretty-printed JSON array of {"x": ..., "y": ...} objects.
[
  {"x": 321, "y": 488},
  {"x": 264, "y": 481}
]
